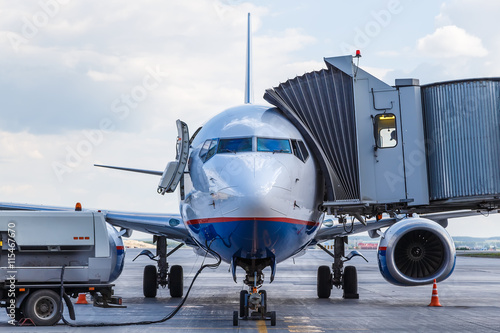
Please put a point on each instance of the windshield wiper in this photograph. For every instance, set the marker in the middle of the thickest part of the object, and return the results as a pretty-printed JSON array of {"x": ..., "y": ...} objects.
[{"x": 225, "y": 150}]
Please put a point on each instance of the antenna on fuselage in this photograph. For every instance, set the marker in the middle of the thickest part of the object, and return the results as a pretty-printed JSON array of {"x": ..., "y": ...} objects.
[{"x": 248, "y": 70}]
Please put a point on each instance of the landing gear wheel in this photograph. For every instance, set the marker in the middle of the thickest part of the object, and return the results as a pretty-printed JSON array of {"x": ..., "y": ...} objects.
[
  {"x": 263, "y": 302},
  {"x": 324, "y": 282},
  {"x": 176, "y": 281},
  {"x": 42, "y": 307},
  {"x": 243, "y": 308},
  {"x": 273, "y": 318},
  {"x": 350, "y": 281},
  {"x": 235, "y": 318},
  {"x": 150, "y": 281}
]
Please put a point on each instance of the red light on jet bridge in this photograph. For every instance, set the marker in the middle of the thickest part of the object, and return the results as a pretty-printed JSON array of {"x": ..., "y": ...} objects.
[{"x": 358, "y": 53}]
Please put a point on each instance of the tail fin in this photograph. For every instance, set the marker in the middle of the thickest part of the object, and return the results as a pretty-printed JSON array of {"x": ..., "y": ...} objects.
[{"x": 248, "y": 70}]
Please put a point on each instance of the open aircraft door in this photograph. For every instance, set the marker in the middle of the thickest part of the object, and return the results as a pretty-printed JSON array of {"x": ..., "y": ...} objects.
[{"x": 175, "y": 169}]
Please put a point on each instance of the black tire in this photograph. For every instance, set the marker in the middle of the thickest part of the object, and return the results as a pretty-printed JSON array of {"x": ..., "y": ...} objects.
[
  {"x": 350, "y": 283},
  {"x": 176, "y": 281},
  {"x": 42, "y": 307},
  {"x": 243, "y": 308},
  {"x": 273, "y": 318},
  {"x": 324, "y": 282},
  {"x": 235, "y": 318},
  {"x": 150, "y": 281},
  {"x": 263, "y": 302}
]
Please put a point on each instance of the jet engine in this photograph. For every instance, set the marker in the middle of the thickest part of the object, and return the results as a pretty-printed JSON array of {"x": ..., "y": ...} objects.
[{"x": 416, "y": 251}]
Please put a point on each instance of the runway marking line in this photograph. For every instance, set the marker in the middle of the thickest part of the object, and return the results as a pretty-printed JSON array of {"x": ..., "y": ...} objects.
[{"x": 261, "y": 326}]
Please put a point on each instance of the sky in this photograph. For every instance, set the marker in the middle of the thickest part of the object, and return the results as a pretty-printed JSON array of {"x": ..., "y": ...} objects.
[{"x": 84, "y": 82}]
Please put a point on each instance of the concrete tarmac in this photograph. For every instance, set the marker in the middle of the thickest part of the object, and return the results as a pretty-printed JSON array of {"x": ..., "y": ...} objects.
[{"x": 470, "y": 299}]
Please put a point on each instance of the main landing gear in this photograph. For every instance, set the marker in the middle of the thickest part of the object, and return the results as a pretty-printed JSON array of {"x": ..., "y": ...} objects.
[
  {"x": 253, "y": 303},
  {"x": 345, "y": 278},
  {"x": 155, "y": 277}
]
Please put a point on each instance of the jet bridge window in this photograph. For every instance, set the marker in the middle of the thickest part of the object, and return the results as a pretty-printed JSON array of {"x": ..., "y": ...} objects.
[
  {"x": 234, "y": 145},
  {"x": 274, "y": 145},
  {"x": 385, "y": 130}
]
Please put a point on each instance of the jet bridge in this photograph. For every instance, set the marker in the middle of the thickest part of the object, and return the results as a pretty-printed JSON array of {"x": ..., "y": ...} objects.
[{"x": 404, "y": 148}]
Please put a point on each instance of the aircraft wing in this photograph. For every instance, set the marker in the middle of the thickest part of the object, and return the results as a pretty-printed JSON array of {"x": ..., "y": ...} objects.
[
  {"x": 169, "y": 225},
  {"x": 339, "y": 230}
]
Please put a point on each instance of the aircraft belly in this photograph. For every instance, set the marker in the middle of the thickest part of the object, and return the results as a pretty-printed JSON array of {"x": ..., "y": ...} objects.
[{"x": 253, "y": 238}]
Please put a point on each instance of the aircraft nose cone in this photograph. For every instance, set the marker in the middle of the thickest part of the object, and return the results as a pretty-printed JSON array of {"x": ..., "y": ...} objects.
[{"x": 258, "y": 186}]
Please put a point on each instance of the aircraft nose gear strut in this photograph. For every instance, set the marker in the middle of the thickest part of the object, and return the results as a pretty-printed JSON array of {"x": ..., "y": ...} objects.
[
  {"x": 253, "y": 303},
  {"x": 153, "y": 277}
]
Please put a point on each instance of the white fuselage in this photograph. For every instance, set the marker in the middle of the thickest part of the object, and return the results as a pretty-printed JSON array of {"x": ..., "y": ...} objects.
[{"x": 252, "y": 188}]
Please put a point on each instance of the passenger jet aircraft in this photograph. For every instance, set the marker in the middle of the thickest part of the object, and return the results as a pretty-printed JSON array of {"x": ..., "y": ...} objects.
[{"x": 250, "y": 194}]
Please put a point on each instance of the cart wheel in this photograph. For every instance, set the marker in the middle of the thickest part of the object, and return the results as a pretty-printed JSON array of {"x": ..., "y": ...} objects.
[{"x": 273, "y": 318}]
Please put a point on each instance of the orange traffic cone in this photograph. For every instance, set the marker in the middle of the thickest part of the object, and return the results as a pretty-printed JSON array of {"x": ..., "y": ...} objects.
[
  {"x": 82, "y": 299},
  {"x": 435, "y": 298}
]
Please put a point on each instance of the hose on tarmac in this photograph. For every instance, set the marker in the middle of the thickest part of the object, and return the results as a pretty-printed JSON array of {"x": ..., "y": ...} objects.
[{"x": 145, "y": 322}]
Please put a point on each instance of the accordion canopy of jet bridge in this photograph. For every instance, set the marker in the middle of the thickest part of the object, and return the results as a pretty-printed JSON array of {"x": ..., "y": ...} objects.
[{"x": 397, "y": 149}]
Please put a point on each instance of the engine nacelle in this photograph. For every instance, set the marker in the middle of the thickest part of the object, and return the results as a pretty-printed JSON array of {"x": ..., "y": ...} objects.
[{"x": 416, "y": 251}]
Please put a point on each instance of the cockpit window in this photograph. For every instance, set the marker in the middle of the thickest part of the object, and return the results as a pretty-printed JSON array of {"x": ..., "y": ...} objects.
[
  {"x": 234, "y": 145},
  {"x": 212, "y": 149},
  {"x": 303, "y": 150},
  {"x": 208, "y": 150},
  {"x": 299, "y": 150},
  {"x": 274, "y": 145},
  {"x": 204, "y": 149}
]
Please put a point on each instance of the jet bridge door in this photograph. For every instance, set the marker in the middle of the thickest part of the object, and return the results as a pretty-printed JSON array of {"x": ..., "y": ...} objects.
[
  {"x": 175, "y": 170},
  {"x": 380, "y": 143}
]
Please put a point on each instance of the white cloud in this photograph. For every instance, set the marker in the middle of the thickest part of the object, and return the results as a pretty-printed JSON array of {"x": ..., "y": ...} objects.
[
  {"x": 100, "y": 76},
  {"x": 451, "y": 41}
]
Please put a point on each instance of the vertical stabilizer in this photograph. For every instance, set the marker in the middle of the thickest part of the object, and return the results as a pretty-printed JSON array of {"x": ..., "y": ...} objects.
[{"x": 248, "y": 69}]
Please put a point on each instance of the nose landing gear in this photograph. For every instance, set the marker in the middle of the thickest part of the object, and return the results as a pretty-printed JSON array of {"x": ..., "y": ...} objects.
[{"x": 253, "y": 303}]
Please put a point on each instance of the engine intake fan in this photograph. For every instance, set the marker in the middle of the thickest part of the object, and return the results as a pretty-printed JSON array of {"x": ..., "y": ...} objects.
[{"x": 416, "y": 251}]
